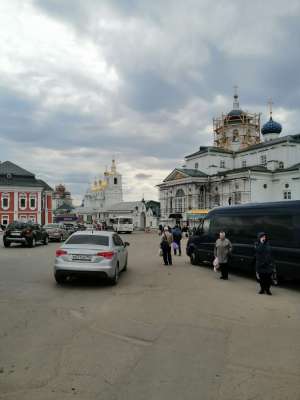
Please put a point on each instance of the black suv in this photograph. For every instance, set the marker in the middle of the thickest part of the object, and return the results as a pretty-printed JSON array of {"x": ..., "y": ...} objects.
[{"x": 27, "y": 233}]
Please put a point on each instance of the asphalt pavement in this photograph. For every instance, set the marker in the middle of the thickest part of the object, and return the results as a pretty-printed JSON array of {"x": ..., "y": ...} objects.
[{"x": 162, "y": 333}]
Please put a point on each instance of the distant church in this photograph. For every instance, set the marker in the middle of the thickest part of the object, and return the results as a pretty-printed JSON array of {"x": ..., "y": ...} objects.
[
  {"x": 240, "y": 167},
  {"x": 103, "y": 202},
  {"x": 103, "y": 193}
]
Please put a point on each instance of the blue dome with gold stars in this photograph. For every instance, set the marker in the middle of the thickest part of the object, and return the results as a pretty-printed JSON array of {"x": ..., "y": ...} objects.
[{"x": 271, "y": 127}]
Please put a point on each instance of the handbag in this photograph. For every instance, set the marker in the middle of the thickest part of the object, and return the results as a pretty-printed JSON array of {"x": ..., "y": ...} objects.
[
  {"x": 175, "y": 246},
  {"x": 216, "y": 264}
]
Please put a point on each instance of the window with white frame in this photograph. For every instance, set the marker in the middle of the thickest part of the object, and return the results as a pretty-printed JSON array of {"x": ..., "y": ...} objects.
[
  {"x": 281, "y": 165},
  {"x": 222, "y": 164},
  {"x": 4, "y": 220},
  {"x": 287, "y": 195},
  {"x": 5, "y": 201},
  {"x": 179, "y": 201},
  {"x": 22, "y": 201},
  {"x": 196, "y": 165},
  {"x": 263, "y": 159},
  {"x": 244, "y": 164},
  {"x": 23, "y": 218},
  {"x": 32, "y": 201},
  {"x": 32, "y": 218}
]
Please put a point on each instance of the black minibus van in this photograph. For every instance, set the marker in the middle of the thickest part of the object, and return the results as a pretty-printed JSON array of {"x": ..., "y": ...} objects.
[{"x": 242, "y": 223}]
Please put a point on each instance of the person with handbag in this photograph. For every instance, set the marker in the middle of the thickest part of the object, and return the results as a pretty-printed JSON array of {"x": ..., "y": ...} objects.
[
  {"x": 222, "y": 252},
  {"x": 177, "y": 236},
  {"x": 165, "y": 245},
  {"x": 264, "y": 263}
]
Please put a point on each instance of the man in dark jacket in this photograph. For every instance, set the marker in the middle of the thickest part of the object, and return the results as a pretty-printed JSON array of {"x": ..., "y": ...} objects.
[
  {"x": 264, "y": 263},
  {"x": 177, "y": 236}
]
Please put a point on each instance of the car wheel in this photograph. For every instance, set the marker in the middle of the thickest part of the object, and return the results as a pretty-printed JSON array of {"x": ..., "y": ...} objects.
[
  {"x": 32, "y": 242},
  {"x": 125, "y": 266},
  {"x": 46, "y": 241},
  {"x": 60, "y": 278},
  {"x": 193, "y": 258},
  {"x": 6, "y": 243},
  {"x": 116, "y": 277}
]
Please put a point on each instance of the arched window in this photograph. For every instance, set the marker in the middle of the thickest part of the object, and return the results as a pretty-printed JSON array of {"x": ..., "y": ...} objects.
[
  {"x": 5, "y": 201},
  {"x": 281, "y": 165},
  {"x": 23, "y": 201},
  {"x": 32, "y": 201}
]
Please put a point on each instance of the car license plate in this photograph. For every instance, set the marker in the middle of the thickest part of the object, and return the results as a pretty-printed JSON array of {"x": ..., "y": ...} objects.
[
  {"x": 15, "y": 234},
  {"x": 81, "y": 257}
]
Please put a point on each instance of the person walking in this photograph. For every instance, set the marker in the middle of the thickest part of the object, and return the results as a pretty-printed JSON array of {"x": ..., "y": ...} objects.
[
  {"x": 264, "y": 263},
  {"x": 165, "y": 244},
  {"x": 177, "y": 236},
  {"x": 222, "y": 251}
]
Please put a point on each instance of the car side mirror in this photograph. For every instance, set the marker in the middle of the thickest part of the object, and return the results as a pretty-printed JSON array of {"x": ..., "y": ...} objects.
[{"x": 126, "y": 244}]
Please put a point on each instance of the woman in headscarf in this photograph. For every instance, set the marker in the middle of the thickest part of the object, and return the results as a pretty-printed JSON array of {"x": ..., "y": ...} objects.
[{"x": 264, "y": 263}]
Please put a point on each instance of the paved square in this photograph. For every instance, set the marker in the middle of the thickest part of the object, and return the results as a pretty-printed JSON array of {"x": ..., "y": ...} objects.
[{"x": 162, "y": 333}]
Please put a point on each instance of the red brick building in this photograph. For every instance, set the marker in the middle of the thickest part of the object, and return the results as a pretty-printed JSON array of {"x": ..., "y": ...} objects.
[{"x": 22, "y": 196}]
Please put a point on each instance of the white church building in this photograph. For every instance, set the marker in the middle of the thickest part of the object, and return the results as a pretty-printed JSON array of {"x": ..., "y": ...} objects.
[
  {"x": 245, "y": 164},
  {"x": 103, "y": 202}
]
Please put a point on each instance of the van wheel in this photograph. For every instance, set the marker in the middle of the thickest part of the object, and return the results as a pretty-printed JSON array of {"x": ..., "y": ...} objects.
[
  {"x": 193, "y": 258},
  {"x": 6, "y": 243}
]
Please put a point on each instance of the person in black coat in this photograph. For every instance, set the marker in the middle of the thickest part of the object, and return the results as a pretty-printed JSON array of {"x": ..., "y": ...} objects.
[{"x": 264, "y": 263}]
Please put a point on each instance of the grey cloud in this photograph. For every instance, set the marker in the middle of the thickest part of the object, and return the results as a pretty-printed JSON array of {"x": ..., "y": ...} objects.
[
  {"x": 165, "y": 55},
  {"x": 142, "y": 176}
]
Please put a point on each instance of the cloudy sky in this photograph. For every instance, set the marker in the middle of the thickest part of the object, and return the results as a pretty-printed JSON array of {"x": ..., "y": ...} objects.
[{"x": 82, "y": 81}]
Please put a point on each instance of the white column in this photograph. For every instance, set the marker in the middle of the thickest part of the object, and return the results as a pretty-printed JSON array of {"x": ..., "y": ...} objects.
[
  {"x": 39, "y": 208},
  {"x": 16, "y": 205},
  {"x": 46, "y": 207}
]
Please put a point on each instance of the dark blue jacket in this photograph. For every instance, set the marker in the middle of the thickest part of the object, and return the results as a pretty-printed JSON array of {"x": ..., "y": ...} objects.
[{"x": 177, "y": 234}]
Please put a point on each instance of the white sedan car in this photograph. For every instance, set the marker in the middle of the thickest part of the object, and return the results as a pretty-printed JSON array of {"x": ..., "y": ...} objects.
[{"x": 98, "y": 253}]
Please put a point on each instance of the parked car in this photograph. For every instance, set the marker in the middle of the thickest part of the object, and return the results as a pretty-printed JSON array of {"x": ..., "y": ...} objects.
[
  {"x": 56, "y": 232},
  {"x": 69, "y": 227},
  {"x": 80, "y": 227},
  {"x": 91, "y": 252},
  {"x": 280, "y": 221},
  {"x": 26, "y": 233}
]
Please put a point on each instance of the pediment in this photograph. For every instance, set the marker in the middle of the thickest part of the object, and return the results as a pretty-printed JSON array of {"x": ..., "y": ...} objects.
[{"x": 175, "y": 175}]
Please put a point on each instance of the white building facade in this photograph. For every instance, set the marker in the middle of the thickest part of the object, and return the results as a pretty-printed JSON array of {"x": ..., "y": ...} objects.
[
  {"x": 102, "y": 194},
  {"x": 103, "y": 202},
  {"x": 243, "y": 166},
  {"x": 143, "y": 216}
]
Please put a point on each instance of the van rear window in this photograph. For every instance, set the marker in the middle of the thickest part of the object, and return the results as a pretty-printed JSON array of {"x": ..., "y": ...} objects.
[{"x": 89, "y": 239}]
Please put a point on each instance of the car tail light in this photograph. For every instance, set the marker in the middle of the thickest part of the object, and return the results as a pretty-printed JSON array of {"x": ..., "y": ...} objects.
[
  {"x": 61, "y": 252},
  {"x": 106, "y": 254}
]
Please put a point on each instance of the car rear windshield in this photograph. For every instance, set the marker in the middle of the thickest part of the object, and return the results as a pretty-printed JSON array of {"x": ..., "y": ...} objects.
[
  {"x": 89, "y": 239},
  {"x": 18, "y": 225}
]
